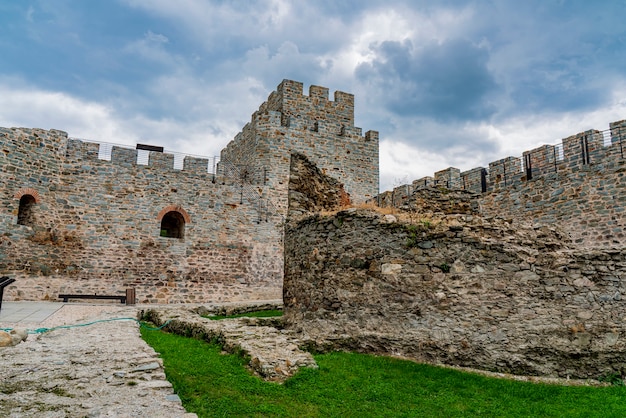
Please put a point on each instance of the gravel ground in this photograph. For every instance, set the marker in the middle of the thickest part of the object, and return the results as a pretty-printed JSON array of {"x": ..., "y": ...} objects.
[{"x": 100, "y": 370}]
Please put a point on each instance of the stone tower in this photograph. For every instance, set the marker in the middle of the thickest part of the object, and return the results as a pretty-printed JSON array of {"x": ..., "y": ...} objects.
[{"x": 321, "y": 129}]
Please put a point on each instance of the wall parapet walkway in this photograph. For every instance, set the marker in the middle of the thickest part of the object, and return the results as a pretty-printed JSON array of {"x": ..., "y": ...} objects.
[
  {"x": 578, "y": 182},
  {"x": 80, "y": 149}
]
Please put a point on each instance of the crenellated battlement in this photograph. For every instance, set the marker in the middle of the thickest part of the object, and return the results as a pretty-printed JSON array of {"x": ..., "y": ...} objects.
[
  {"x": 290, "y": 89},
  {"x": 80, "y": 150},
  {"x": 586, "y": 151},
  {"x": 579, "y": 182},
  {"x": 288, "y": 107},
  {"x": 323, "y": 130},
  {"x": 56, "y": 144},
  {"x": 33, "y": 139},
  {"x": 290, "y": 101}
]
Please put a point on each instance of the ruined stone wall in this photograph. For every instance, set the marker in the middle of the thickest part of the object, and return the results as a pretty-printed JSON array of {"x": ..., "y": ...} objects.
[
  {"x": 97, "y": 226},
  {"x": 430, "y": 199},
  {"x": 322, "y": 130},
  {"x": 457, "y": 289},
  {"x": 578, "y": 184},
  {"x": 312, "y": 191}
]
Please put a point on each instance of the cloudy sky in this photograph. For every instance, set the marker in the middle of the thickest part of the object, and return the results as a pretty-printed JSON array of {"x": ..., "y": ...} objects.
[{"x": 446, "y": 83}]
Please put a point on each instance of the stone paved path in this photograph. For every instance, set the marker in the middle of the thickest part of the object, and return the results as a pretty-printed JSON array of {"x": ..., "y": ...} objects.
[
  {"x": 274, "y": 352},
  {"x": 101, "y": 370}
]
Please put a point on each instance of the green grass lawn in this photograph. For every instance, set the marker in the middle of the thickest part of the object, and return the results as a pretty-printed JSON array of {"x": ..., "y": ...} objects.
[
  {"x": 357, "y": 385},
  {"x": 256, "y": 314}
]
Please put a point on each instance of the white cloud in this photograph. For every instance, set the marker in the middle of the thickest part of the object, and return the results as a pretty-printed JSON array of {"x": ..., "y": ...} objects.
[
  {"x": 390, "y": 23},
  {"x": 401, "y": 164},
  {"x": 156, "y": 37},
  {"x": 207, "y": 20},
  {"x": 152, "y": 48},
  {"x": 402, "y": 160},
  {"x": 208, "y": 115},
  {"x": 215, "y": 114},
  {"x": 28, "y": 107}
]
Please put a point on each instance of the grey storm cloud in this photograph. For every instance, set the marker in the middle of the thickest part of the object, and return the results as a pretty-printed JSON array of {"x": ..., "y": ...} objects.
[
  {"x": 561, "y": 86},
  {"x": 446, "y": 81}
]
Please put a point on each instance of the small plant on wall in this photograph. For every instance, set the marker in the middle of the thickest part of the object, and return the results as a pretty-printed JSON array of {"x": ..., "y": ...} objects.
[
  {"x": 416, "y": 232},
  {"x": 412, "y": 239}
]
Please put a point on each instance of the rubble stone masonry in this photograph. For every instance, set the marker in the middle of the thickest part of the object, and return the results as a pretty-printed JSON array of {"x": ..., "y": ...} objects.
[
  {"x": 459, "y": 289},
  {"x": 512, "y": 271}
]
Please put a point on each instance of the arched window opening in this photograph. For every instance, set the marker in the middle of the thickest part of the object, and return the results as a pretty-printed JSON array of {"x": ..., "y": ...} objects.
[
  {"x": 26, "y": 211},
  {"x": 173, "y": 225}
]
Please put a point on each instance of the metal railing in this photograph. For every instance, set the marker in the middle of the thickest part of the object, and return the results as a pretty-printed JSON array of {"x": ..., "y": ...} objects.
[
  {"x": 105, "y": 150},
  {"x": 595, "y": 147}
]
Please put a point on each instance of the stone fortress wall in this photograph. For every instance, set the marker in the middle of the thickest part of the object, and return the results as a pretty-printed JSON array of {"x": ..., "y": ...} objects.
[
  {"x": 443, "y": 279},
  {"x": 96, "y": 226},
  {"x": 72, "y": 222},
  {"x": 579, "y": 184},
  {"x": 509, "y": 270}
]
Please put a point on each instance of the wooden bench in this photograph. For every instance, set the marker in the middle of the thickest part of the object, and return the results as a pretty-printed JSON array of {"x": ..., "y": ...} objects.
[
  {"x": 66, "y": 297},
  {"x": 4, "y": 282},
  {"x": 128, "y": 298}
]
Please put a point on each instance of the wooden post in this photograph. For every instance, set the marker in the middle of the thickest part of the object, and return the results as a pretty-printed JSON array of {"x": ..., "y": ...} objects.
[{"x": 130, "y": 296}]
